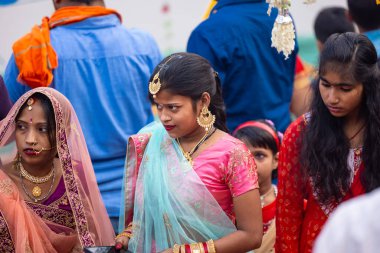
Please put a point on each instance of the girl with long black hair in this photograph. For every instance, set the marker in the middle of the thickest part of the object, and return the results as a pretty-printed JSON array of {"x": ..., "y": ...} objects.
[{"x": 330, "y": 154}]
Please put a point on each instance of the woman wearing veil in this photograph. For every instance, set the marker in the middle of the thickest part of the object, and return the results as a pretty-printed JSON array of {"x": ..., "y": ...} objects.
[
  {"x": 49, "y": 199},
  {"x": 189, "y": 185}
]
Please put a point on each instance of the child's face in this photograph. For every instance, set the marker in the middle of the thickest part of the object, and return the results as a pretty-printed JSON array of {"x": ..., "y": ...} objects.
[
  {"x": 341, "y": 96},
  {"x": 266, "y": 162}
]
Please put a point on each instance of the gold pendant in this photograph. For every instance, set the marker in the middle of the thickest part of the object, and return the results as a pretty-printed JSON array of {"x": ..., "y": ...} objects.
[
  {"x": 36, "y": 191},
  {"x": 188, "y": 157}
]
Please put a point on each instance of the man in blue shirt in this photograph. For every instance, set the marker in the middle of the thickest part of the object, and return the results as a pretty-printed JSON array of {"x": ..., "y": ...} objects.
[
  {"x": 103, "y": 69},
  {"x": 257, "y": 81}
]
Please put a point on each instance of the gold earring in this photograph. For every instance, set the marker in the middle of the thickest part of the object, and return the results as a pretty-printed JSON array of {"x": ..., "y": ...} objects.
[
  {"x": 206, "y": 119},
  {"x": 17, "y": 158}
]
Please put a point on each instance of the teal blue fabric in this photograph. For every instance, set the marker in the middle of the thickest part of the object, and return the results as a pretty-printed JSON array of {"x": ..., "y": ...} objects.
[{"x": 171, "y": 203}]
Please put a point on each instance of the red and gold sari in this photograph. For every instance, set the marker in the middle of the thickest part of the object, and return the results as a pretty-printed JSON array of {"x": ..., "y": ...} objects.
[{"x": 73, "y": 216}]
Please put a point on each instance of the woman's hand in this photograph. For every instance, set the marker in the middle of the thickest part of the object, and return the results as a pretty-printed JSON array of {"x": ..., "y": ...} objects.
[{"x": 121, "y": 242}]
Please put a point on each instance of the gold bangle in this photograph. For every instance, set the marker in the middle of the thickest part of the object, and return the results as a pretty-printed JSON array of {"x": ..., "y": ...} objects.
[
  {"x": 124, "y": 234},
  {"x": 176, "y": 248},
  {"x": 211, "y": 246},
  {"x": 202, "y": 249},
  {"x": 194, "y": 248}
]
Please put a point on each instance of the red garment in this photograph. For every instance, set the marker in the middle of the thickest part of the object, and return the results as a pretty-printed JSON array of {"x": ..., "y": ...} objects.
[
  {"x": 296, "y": 227},
  {"x": 269, "y": 213},
  {"x": 299, "y": 65}
]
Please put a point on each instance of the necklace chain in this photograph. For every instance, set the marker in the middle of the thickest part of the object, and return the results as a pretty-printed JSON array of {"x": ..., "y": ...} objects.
[
  {"x": 36, "y": 199},
  {"x": 195, "y": 148},
  {"x": 354, "y": 135},
  {"x": 262, "y": 197},
  {"x": 34, "y": 179}
]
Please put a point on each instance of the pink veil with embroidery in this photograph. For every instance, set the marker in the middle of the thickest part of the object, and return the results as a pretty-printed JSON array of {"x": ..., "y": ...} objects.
[{"x": 27, "y": 232}]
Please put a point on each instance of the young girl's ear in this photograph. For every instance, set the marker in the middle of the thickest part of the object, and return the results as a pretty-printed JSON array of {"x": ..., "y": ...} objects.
[{"x": 275, "y": 161}]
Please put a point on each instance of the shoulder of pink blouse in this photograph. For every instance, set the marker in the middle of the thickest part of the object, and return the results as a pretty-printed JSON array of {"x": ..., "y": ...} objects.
[
  {"x": 290, "y": 199},
  {"x": 241, "y": 174}
]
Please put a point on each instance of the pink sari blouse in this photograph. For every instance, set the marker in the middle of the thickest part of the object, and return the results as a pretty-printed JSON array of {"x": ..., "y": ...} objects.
[{"x": 228, "y": 170}]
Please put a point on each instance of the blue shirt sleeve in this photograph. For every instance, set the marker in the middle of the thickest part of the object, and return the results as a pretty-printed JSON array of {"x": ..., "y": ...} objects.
[
  {"x": 200, "y": 44},
  {"x": 15, "y": 89}
]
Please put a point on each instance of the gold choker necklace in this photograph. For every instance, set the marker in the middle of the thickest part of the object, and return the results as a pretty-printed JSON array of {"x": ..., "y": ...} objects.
[
  {"x": 36, "y": 191},
  {"x": 33, "y": 179}
]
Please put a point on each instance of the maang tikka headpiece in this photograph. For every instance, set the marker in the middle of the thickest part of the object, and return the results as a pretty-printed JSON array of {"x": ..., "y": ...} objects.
[
  {"x": 155, "y": 84},
  {"x": 30, "y": 102}
]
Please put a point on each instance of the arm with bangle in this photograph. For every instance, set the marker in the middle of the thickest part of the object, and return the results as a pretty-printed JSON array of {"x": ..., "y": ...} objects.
[
  {"x": 200, "y": 247},
  {"x": 247, "y": 237},
  {"x": 122, "y": 239}
]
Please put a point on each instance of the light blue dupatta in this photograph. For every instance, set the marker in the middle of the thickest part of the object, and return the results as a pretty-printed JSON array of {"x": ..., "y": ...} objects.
[{"x": 167, "y": 200}]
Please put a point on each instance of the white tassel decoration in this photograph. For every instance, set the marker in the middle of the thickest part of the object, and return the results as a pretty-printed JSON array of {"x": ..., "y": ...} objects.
[{"x": 283, "y": 35}]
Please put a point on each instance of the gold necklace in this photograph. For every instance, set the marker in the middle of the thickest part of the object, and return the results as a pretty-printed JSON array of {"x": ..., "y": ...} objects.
[
  {"x": 188, "y": 155},
  {"x": 37, "y": 191}
]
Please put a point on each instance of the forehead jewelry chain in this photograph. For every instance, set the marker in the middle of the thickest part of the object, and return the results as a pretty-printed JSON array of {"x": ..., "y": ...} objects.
[
  {"x": 36, "y": 191},
  {"x": 30, "y": 102}
]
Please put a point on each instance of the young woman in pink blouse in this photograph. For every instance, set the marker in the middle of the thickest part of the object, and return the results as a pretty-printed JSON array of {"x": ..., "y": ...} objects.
[{"x": 189, "y": 185}]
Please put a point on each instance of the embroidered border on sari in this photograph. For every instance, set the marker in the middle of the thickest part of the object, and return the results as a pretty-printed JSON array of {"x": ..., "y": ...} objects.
[
  {"x": 63, "y": 200},
  {"x": 6, "y": 242},
  {"x": 72, "y": 191},
  {"x": 56, "y": 215},
  {"x": 137, "y": 144}
]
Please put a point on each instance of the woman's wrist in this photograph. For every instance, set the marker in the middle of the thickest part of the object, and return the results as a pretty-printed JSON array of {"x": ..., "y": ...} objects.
[
  {"x": 198, "y": 247},
  {"x": 126, "y": 232}
]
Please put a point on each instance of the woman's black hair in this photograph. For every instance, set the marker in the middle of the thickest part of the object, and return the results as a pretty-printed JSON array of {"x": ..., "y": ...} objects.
[
  {"x": 258, "y": 137},
  {"x": 191, "y": 75},
  {"x": 49, "y": 114},
  {"x": 324, "y": 145}
]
